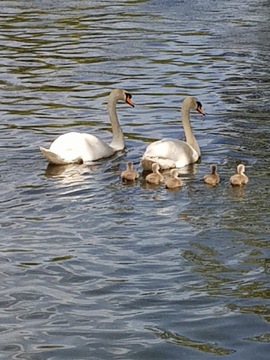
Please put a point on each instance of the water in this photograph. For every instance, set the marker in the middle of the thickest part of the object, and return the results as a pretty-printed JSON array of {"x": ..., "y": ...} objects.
[{"x": 95, "y": 269}]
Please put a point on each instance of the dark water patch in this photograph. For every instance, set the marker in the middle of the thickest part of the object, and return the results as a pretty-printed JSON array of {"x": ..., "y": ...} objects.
[{"x": 181, "y": 340}]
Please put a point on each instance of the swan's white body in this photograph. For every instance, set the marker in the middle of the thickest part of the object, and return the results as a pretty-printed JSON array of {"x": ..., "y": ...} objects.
[
  {"x": 171, "y": 153},
  {"x": 75, "y": 147}
]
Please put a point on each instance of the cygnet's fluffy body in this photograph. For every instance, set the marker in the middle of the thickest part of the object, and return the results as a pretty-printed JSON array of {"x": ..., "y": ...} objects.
[
  {"x": 129, "y": 174},
  {"x": 173, "y": 181},
  {"x": 213, "y": 178},
  {"x": 155, "y": 177},
  {"x": 240, "y": 178}
]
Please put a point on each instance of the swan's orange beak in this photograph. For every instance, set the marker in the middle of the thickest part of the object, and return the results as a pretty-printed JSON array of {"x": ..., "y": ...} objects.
[
  {"x": 200, "y": 110},
  {"x": 129, "y": 101}
]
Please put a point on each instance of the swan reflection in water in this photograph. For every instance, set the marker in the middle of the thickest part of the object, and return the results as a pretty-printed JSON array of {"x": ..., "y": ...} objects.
[
  {"x": 76, "y": 173},
  {"x": 69, "y": 174}
]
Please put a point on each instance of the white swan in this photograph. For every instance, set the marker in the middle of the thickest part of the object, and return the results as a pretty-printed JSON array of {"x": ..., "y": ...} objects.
[
  {"x": 239, "y": 178},
  {"x": 171, "y": 153},
  {"x": 129, "y": 174},
  {"x": 75, "y": 147}
]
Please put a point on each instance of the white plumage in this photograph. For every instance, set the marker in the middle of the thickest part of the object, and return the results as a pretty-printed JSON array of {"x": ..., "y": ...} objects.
[
  {"x": 171, "y": 153},
  {"x": 75, "y": 147}
]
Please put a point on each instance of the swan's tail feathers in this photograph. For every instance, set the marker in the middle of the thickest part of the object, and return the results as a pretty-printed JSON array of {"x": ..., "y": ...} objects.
[
  {"x": 147, "y": 162},
  {"x": 56, "y": 159}
]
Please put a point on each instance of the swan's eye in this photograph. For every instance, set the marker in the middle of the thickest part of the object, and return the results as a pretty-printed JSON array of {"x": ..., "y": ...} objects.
[
  {"x": 128, "y": 99},
  {"x": 199, "y": 107},
  {"x": 199, "y": 104}
]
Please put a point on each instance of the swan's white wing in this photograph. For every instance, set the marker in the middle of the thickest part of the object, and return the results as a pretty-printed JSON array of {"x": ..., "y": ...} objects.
[
  {"x": 169, "y": 153},
  {"x": 94, "y": 148},
  {"x": 168, "y": 149}
]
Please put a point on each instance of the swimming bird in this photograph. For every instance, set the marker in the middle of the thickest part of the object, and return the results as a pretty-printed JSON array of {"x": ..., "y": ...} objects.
[
  {"x": 239, "y": 178},
  {"x": 76, "y": 147},
  {"x": 171, "y": 153},
  {"x": 129, "y": 174},
  {"x": 155, "y": 177},
  {"x": 213, "y": 178},
  {"x": 173, "y": 181}
]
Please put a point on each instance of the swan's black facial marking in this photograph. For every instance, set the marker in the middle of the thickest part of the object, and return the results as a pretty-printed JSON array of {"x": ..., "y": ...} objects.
[
  {"x": 128, "y": 99},
  {"x": 199, "y": 107},
  {"x": 199, "y": 104}
]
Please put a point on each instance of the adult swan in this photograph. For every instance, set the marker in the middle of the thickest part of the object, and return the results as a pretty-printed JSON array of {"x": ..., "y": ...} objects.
[
  {"x": 75, "y": 147},
  {"x": 171, "y": 153}
]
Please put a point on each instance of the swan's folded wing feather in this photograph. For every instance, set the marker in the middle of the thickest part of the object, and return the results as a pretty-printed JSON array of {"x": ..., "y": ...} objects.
[
  {"x": 56, "y": 159},
  {"x": 164, "y": 164},
  {"x": 169, "y": 149},
  {"x": 86, "y": 147},
  {"x": 169, "y": 153}
]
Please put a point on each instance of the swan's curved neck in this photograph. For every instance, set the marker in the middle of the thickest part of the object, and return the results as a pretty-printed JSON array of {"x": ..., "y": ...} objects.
[
  {"x": 190, "y": 138},
  {"x": 118, "y": 140}
]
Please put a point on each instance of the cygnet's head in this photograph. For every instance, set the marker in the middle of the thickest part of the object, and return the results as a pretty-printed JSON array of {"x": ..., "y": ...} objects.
[
  {"x": 213, "y": 169},
  {"x": 155, "y": 167},
  {"x": 241, "y": 169},
  {"x": 174, "y": 173},
  {"x": 130, "y": 165}
]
